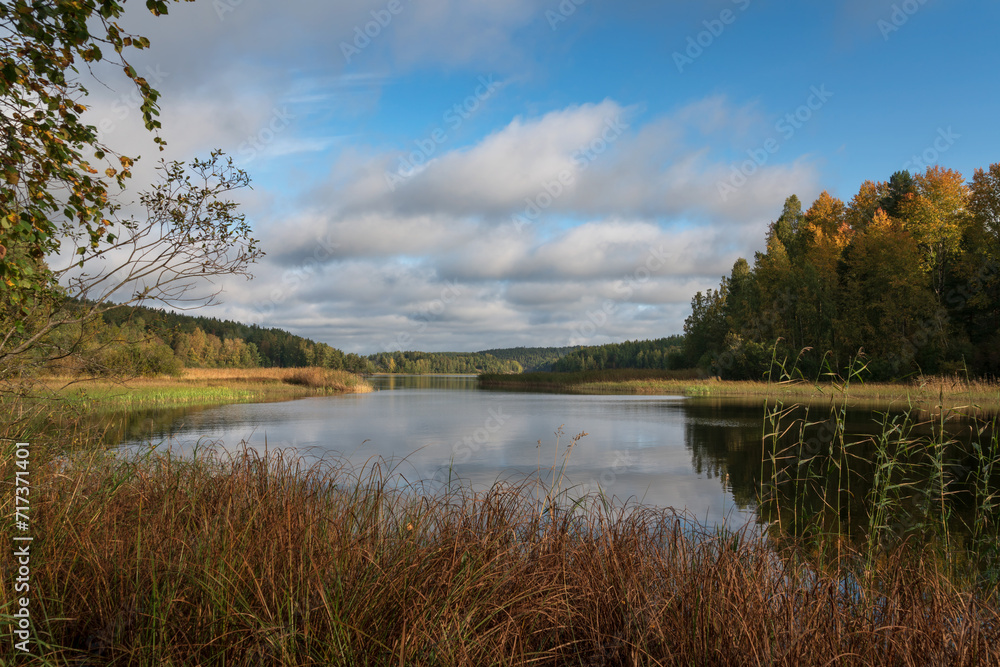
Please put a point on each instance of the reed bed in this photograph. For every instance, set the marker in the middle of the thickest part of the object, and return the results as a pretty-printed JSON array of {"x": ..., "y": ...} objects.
[
  {"x": 201, "y": 386},
  {"x": 926, "y": 391},
  {"x": 256, "y": 558}
]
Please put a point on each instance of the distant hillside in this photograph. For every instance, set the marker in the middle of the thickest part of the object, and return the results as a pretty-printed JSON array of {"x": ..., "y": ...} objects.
[
  {"x": 441, "y": 362},
  {"x": 663, "y": 353},
  {"x": 532, "y": 358},
  {"x": 501, "y": 361},
  {"x": 198, "y": 341}
]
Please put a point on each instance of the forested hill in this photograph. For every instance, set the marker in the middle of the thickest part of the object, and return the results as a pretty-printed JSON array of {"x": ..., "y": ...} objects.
[
  {"x": 508, "y": 360},
  {"x": 532, "y": 358},
  {"x": 198, "y": 341},
  {"x": 440, "y": 362},
  {"x": 663, "y": 353},
  {"x": 165, "y": 341}
]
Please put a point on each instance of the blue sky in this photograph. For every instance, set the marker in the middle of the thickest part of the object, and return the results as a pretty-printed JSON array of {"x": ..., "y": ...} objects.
[{"x": 604, "y": 160}]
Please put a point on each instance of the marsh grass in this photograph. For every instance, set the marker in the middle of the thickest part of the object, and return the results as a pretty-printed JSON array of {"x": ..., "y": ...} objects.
[
  {"x": 259, "y": 559},
  {"x": 202, "y": 386},
  {"x": 924, "y": 486},
  {"x": 925, "y": 393}
]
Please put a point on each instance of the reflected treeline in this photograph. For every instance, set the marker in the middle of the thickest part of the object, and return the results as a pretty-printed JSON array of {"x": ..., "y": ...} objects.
[
  {"x": 393, "y": 382},
  {"x": 724, "y": 438},
  {"x": 866, "y": 475}
]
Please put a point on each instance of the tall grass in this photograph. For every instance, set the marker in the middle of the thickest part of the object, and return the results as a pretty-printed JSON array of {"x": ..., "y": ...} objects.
[
  {"x": 925, "y": 486},
  {"x": 257, "y": 559}
]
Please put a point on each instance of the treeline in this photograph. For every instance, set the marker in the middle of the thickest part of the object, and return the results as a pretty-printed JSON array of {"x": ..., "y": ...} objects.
[
  {"x": 663, "y": 354},
  {"x": 441, "y": 362},
  {"x": 207, "y": 342},
  {"x": 532, "y": 358},
  {"x": 905, "y": 278},
  {"x": 149, "y": 341}
]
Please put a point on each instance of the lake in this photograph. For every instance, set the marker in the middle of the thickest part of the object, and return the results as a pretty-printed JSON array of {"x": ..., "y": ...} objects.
[{"x": 702, "y": 454}]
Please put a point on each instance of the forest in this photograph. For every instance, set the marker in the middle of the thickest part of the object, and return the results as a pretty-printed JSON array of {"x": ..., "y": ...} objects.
[
  {"x": 533, "y": 358},
  {"x": 901, "y": 280},
  {"x": 150, "y": 341},
  {"x": 441, "y": 362},
  {"x": 662, "y": 354}
]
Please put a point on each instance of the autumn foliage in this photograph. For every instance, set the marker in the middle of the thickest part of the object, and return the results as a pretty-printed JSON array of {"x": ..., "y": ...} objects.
[{"x": 906, "y": 275}]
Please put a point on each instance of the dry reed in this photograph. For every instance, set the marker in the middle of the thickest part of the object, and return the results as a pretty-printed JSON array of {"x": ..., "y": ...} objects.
[{"x": 257, "y": 559}]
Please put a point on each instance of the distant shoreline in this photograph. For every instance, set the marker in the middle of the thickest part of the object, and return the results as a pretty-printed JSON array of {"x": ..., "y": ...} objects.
[{"x": 923, "y": 393}]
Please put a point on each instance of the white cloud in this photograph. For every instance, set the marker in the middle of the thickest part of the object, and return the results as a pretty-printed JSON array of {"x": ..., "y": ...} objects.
[{"x": 586, "y": 161}]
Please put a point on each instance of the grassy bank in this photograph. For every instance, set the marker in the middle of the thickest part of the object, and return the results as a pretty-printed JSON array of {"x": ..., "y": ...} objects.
[
  {"x": 252, "y": 559},
  {"x": 200, "y": 386},
  {"x": 923, "y": 392}
]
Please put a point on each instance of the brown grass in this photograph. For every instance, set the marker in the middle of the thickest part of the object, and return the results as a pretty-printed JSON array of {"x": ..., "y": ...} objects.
[
  {"x": 256, "y": 559},
  {"x": 312, "y": 377}
]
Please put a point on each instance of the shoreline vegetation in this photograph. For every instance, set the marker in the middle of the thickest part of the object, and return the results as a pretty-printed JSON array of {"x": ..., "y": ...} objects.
[
  {"x": 922, "y": 392},
  {"x": 246, "y": 557},
  {"x": 251, "y": 558},
  {"x": 203, "y": 386}
]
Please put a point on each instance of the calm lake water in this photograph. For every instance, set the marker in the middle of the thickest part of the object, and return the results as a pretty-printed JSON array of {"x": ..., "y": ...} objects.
[{"x": 701, "y": 454}]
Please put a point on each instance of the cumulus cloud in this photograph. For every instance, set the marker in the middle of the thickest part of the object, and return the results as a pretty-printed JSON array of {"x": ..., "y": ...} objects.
[{"x": 586, "y": 160}]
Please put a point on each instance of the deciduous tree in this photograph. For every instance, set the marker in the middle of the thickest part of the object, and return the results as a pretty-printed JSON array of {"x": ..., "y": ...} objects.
[{"x": 55, "y": 184}]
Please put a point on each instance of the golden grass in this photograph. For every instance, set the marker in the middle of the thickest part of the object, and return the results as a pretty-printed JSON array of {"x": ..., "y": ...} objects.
[
  {"x": 255, "y": 559},
  {"x": 925, "y": 392},
  {"x": 205, "y": 386}
]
